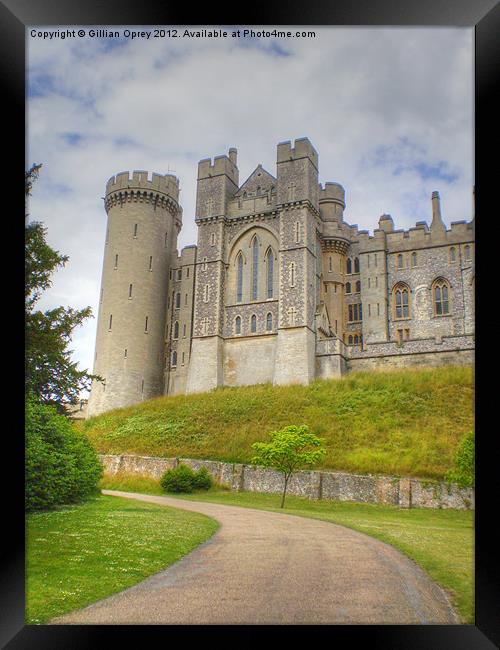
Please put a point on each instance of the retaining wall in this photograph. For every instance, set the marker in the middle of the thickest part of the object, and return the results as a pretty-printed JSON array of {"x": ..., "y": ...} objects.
[{"x": 340, "y": 486}]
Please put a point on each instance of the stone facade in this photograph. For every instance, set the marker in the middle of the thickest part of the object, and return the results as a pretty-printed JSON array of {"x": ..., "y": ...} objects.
[
  {"x": 338, "y": 486},
  {"x": 279, "y": 288}
]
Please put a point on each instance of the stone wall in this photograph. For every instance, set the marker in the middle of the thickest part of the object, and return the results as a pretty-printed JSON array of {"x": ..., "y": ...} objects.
[{"x": 339, "y": 486}]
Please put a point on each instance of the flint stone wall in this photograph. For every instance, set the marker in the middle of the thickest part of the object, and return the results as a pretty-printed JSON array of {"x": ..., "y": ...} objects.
[{"x": 339, "y": 486}]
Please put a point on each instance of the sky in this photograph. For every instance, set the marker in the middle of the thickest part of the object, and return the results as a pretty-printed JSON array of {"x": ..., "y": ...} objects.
[{"x": 389, "y": 110}]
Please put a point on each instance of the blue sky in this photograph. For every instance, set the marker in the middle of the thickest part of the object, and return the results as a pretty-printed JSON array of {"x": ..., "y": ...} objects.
[{"x": 389, "y": 110}]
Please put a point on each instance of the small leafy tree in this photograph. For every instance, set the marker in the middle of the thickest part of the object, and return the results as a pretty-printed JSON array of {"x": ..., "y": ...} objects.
[
  {"x": 292, "y": 448},
  {"x": 463, "y": 473}
]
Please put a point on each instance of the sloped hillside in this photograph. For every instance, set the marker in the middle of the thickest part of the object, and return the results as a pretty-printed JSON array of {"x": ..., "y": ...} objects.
[{"x": 406, "y": 422}]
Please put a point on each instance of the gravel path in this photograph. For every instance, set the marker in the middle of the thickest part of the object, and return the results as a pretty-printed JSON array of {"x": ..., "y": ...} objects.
[{"x": 264, "y": 568}]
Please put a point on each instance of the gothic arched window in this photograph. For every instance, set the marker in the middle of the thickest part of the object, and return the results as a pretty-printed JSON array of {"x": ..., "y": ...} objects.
[
  {"x": 401, "y": 301},
  {"x": 239, "y": 278},
  {"x": 349, "y": 340},
  {"x": 349, "y": 266},
  {"x": 255, "y": 267},
  {"x": 269, "y": 322},
  {"x": 253, "y": 323},
  {"x": 467, "y": 252},
  {"x": 174, "y": 358},
  {"x": 176, "y": 330},
  {"x": 348, "y": 287},
  {"x": 400, "y": 261},
  {"x": 237, "y": 325},
  {"x": 356, "y": 265},
  {"x": 177, "y": 300},
  {"x": 270, "y": 270},
  {"x": 358, "y": 286},
  {"x": 414, "y": 259},
  {"x": 441, "y": 297}
]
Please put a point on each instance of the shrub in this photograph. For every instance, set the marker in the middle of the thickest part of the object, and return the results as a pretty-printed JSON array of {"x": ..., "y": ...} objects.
[
  {"x": 203, "y": 480},
  {"x": 61, "y": 466},
  {"x": 463, "y": 473},
  {"x": 184, "y": 479}
]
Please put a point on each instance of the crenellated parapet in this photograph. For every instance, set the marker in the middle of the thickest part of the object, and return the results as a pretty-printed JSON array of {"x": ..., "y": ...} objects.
[{"x": 161, "y": 191}]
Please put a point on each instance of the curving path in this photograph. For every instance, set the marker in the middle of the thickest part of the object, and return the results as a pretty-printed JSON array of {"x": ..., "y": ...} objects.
[{"x": 263, "y": 567}]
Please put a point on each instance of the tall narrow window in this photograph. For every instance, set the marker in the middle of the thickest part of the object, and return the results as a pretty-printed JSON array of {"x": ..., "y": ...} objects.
[
  {"x": 212, "y": 239},
  {"x": 356, "y": 265},
  {"x": 349, "y": 340},
  {"x": 292, "y": 274},
  {"x": 414, "y": 259},
  {"x": 177, "y": 300},
  {"x": 125, "y": 353},
  {"x": 206, "y": 293},
  {"x": 174, "y": 358},
  {"x": 146, "y": 324},
  {"x": 150, "y": 262},
  {"x": 375, "y": 259},
  {"x": 330, "y": 263},
  {"x": 239, "y": 278},
  {"x": 135, "y": 230},
  {"x": 349, "y": 266},
  {"x": 356, "y": 339},
  {"x": 183, "y": 357},
  {"x": 176, "y": 330},
  {"x": 253, "y": 323},
  {"x": 348, "y": 287},
  {"x": 205, "y": 264},
  {"x": 358, "y": 286},
  {"x": 166, "y": 239},
  {"x": 185, "y": 299},
  {"x": 116, "y": 261},
  {"x": 130, "y": 291},
  {"x": 441, "y": 293},
  {"x": 184, "y": 330},
  {"x": 297, "y": 232},
  {"x": 110, "y": 322},
  {"x": 255, "y": 267},
  {"x": 269, "y": 322},
  {"x": 400, "y": 261},
  {"x": 270, "y": 272},
  {"x": 401, "y": 296},
  {"x": 237, "y": 325},
  {"x": 467, "y": 252},
  {"x": 453, "y": 254}
]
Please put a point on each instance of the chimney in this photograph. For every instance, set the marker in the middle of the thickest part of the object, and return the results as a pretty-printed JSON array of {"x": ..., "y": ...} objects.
[
  {"x": 233, "y": 153},
  {"x": 437, "y": 221}
]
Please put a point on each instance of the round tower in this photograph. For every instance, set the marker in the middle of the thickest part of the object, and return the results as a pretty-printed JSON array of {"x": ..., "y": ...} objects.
[{"x": 144, "y": 220}]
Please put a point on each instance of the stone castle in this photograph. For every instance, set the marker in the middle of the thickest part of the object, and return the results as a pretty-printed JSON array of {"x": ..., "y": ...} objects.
[{"x": 279, "y": 288}]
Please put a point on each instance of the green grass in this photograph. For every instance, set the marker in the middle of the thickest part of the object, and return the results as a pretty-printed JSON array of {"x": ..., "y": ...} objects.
[
  {"x": 79, "y": 554},
  {"x": 403, "y": 423},
  {"x": 440, "y": 541}
]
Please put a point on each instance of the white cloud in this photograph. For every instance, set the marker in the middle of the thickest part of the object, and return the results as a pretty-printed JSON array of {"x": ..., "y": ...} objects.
[{"x": 165, "y": 104}]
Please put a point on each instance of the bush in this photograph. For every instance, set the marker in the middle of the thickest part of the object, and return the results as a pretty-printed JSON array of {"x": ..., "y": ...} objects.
[
  {"x": 463, "y": 474},
  {"x": 184, "y": 479},
  {"x": 61, "y": 465}
]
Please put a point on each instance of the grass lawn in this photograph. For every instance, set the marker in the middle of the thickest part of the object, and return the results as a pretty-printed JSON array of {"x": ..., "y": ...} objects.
[
  {"x": 402, "y": 423},
  {"x": 440, "y": 541},
  {"x": 79, "y": 554}
]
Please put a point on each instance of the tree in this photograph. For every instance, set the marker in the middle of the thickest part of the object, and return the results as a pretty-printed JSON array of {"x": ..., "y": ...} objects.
[
  {"x": 50, "y": 374},
  {"x": 292, "y": 448},
  {"x": 463, "y": 473}
]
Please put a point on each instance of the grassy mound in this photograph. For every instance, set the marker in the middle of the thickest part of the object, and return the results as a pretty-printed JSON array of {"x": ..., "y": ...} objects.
[{"x": 407, "y": 422}]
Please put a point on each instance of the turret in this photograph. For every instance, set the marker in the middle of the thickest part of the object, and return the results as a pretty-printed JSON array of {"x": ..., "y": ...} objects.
[
  {"x": 144, "y": 219},
  {"x": 332, "y": 202}
]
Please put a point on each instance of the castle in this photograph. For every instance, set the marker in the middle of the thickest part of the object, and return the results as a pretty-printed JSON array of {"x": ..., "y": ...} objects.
[{"x": 279, "y": 288}]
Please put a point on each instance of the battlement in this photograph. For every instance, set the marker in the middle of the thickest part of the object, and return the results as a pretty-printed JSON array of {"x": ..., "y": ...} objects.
[
  {"x": 140, "y": 180},
  {"x": 302, "y": 149},
  {"x": 220, "y": 165},
  {"x": 332, "y": 192}
]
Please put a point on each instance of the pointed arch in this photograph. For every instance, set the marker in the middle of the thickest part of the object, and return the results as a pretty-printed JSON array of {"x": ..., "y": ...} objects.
[
  {"x": 254, "y": 245},
  {"x": 441, "y": 297},
  {"x": 401, "y": 301},
  {"x": 269, "y": 257},
  {"x": 239, "y": 277}
]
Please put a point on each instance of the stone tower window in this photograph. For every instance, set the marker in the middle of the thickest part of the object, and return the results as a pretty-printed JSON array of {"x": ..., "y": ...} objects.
[
  {"x": 237, "y": 325},
  {"x": 130, "y": 292},
  {"x": 135, "y": 230},
  {"x": 176, "y": 330},
  {"x": 270, "y": 272},
  {"x": 348, "y": 266},
  {"x": 187, "y": 272},
  {"x": 400, "y": 261},
  {"x": 253, "y": 323},
  {"x": 292, "y": 274},
  {"x": 441, "y": 297},
  {"x": 356, "y": 265},
  {"x": 330, "y": 268},
  {"x": 110, "y": 322},
  {"x": 358, "y": 286},
  {"x": 375, "y": 259},
  {"x": 186, "y": 299},
  {"x": 179, "y": 274},
  {"x": 150, "y": 262},
  {"x": 206, "y": 293},
  {"x": 348, "y": 287},
  {"x": 255, "y": 267},
  {"x": 174, "y": 358},
  {"x": 297, "y": 232},
  {"x": 453, "y": 254},
  {"x": 349, "y": 340},
  {"x": 355, "y": 312},
  {"x": 269, "y": 322},
  {"x": 166, "y": 239},
  {"x": 239, "y": 279},
  {"x": 467, "y": 252},
  {"x": 212, "y": 239},
  {"x": 116, "y": 261},
  {"x": 414, "y": 259},
  {"x": 401, "y": 301},
  {"x": 177, "y": 300},
  {"x": 125, "y": 353},
  {"x": 205, "y": 265},
  {"x": 146, "y": 324},
  {"x": 184, "y": 330}
]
